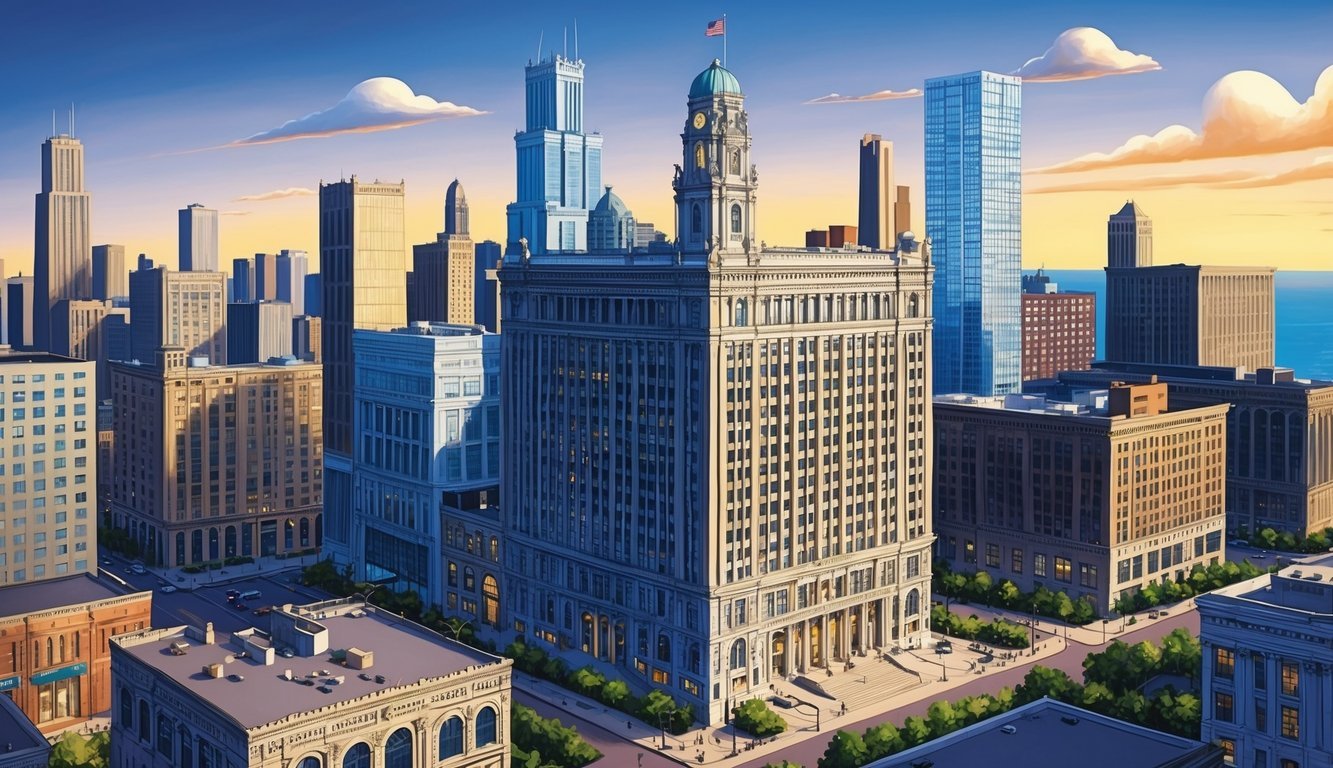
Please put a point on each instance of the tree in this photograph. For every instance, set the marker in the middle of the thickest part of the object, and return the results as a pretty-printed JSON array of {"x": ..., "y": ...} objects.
[
  {"x": 845, "y": 750},
  {"x": 916, "y": 731},
  {"x": 74, "y": 751},
  {"x": 754, "y": 717},
  {"x": 1008, "y": 595},
  {"x": 1044, "y": 681},
  {"x": 615, "y": 693},
  {"x": 940, "y": 714},
  {"x": 783, "y": 764},
  {"x": 558, "y": 745},
  {"x": 586, "y": 681},
  {"x": 882, "y": 740}
]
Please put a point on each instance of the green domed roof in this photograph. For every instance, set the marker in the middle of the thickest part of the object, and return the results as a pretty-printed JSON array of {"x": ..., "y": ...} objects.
[{"x": 713, "y": 81}]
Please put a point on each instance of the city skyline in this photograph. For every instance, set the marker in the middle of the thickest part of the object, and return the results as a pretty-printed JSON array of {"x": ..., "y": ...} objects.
[{"x": 143, "y": 123}]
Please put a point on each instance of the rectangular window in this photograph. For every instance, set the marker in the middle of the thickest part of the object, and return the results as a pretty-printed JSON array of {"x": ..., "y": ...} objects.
[
  {"x": 1291, "y": 678},
  {"x": 1016, "y": 560},
  {"x": 1260, "y": 716},
  {"x": 992, "y": 555},
  {"x": 1064, "y": 569},
  {"x": 1087, "y": 575},
  {"x": 1291, "y": 723},
  {"x": 913, "y": 566},
  {"x": 1228, "y": 751},
  {"x": 1039, "y": 565},
  {"x": 1224, "y": 663},
  {"x": 1260, "y": 665},
  {"x": 1222, "y": 705}
]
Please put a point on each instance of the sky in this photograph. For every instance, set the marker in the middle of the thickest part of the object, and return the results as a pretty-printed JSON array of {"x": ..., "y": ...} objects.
[{"x": 1212, "y": 116}]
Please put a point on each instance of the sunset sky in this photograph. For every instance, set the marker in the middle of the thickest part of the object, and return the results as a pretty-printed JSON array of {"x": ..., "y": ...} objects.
[{"x": 179, "y": 103}]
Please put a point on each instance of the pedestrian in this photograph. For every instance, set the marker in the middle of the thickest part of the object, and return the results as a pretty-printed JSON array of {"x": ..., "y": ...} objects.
[{"x": 629, "y": 725}]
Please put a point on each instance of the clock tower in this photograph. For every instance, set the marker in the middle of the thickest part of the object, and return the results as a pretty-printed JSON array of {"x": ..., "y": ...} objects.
[{"x": 716, "y": 185}]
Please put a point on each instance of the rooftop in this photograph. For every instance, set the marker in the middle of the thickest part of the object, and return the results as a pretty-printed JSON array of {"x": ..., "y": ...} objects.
[
  {"x": 1269, "y": 377},
  {"x": 8, "y": 355},
  {"x": 1091, "y": 403},
  {"x": 37, "y": 596},
  {"x": 18, "y": 733},
  {"x": 253, "y": 693},
  {"x": 1303, "y": 587},
  {"x": 1050, "y": 734}
]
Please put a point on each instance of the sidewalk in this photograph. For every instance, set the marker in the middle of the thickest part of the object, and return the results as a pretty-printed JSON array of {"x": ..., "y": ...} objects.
[
  {"x": 262, "y": 566},
  {"x": 1096, "y": 633}
]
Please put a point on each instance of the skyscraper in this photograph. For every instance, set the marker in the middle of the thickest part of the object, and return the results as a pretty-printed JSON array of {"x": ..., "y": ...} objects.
[
  {"x": 314, "y": 295},
  {"x": 974, "y": 221},
  {"x": 487, "y": 291},
  {"x": 442, "y": 282},
  {"x": 178, "y": 309},
  {"x": 874, "y": 222},
  {"x": 1129, "y": 238},
  {"x": 20, "y": 311},
  {"x": 198, "y": 238},
  {"x": 646, "y": 401},
  {"x": 559, "y": 166},
  {"x": 292, "y": 267},
  {"x": 362, "y": 260},
  {"x": 266, "y": 277},
  {"x": 111, "y": 280},
  {"x": 243, "y": 280},
  {"x": 902, "y": 211},
  {"x": 62, "y": 254},
  {"x": 257, "y": 331}
]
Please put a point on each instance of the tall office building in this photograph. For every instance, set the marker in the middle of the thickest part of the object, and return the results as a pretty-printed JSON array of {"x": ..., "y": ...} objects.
[
  {"x": 876, "y": 206},
  {"x": 1067, "y": 494},
  {"x": 646, "y": 399},
  {"x": 902, "y": 211},
  {"x": 266, "y": 277},
  {"x": 50, "y": 445},
  {"x": 178, "y": 309},
  {"x": 611, "y": 225},
  {"x": 559, "y": 165},
  {"x": 20, "y": 312},
  {"x": 1267, "y": 677},
  {"x": 217, "y": 461},
  {"x": 258, "y": 330},
  {"x": 307, "y": 341},
  {"x": 487, "y": 291},
  {"x": 62, "y": 255},
  {"x": 292, "y": 267},
  {"x": 1129, "y": 238},
  {"x": 442, "y": 277},
  {"x": 80, "y": 329},
  {"x": 974, "y": 221},
  {"x": 197, "y": 228},
  {"x": 242, "y": 281},
  {"x": 362, "y": 263},
  {"x": 314, "y": 295},
  {"x": 111, "y": 279},
  {"x": 1190, "y": 315},
  {"x": 441, "y": 383},
  {"x": 1059, "y": 328}
]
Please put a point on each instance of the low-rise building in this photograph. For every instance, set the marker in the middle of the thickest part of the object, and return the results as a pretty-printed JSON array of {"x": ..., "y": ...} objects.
[
  {"x": 1268, "y": 667},
  {"x": 25, "y": 747},
  {"x": 337, "y": 683},
  {"x": 1096, "y": 499},
  {"x": 54, "y": 660}
]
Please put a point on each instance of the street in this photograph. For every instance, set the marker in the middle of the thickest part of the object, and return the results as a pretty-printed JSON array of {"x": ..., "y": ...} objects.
[{"x": 616, "y": 751}]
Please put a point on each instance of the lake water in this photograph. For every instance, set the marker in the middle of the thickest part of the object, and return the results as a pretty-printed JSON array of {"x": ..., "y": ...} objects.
[{"x": 1304, "y": 316}]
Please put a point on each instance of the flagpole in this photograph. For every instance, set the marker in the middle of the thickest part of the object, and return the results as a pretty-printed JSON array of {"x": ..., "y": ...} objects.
[{"x": 724, "y": 41}]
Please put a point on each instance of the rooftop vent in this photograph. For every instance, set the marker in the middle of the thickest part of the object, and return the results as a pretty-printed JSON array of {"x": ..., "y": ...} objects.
[
  {"x": 379, "y": 679},
  {"x": 235, "y": 678},
  {"x": 1316, "y": 577},
  {"x": 1069, "y": 720},
  {"x": 359, "y": 659},
  {"x": 1008, "y": 729},
  {"x": 286, "y": 674},
  {"x": 1297, "y": 574},
  {"x": 213, "y": 670},
  {"x": 324, "y": 689},
  {"x": 179, "y": 648}
]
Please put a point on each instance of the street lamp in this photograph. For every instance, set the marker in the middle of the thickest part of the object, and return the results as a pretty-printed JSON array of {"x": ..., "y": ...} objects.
[
  {"x": 940, "y": 653},
  {"x": 662, "y": 724},
  {"x": 456, "y": 627},
  {"x": 1104, "y": 623},
  {"x": 1032, "y": 629}
]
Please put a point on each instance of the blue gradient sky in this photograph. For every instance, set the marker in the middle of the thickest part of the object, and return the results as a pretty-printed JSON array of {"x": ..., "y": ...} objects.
[{"x": 153, "y": 81}]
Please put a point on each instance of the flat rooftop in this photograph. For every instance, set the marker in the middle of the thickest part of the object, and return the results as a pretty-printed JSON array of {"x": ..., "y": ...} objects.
[
  {"x": 37, "y": 596},
  {"x": 1048, "y": 734},
  {"x": 405, "y": 653},
  {"x": 1305, "y": 586},
  {"x": 17, "y": 732},
  {"x": 9, "y": 356}
]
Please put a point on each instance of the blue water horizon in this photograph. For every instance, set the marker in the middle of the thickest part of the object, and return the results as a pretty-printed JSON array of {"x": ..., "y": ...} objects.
[{"x": 1304, "y": 322}]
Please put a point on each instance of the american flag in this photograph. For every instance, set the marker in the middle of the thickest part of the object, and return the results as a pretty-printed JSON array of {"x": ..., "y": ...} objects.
[{"x": 717, "y": 27}]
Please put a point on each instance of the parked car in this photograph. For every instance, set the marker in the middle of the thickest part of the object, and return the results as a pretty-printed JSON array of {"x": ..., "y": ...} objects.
[
  {"x": 944, "y": 646},
  {"x": 166, "y": 589},
  {"x": 263, "y": 611},
  {"x": 782, "y": 701},
  {"x": 138, "y": 568},
  {"x": 232, "y": 594}
]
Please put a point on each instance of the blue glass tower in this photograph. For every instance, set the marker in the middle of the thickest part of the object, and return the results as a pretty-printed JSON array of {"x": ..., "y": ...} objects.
[
  {"x": 559, "y": 166},
  {"x": 974, "y": 219}
]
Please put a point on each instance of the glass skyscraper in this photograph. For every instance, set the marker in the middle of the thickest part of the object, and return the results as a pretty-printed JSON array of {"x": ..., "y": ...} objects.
[{"x": 974, "y": 219}]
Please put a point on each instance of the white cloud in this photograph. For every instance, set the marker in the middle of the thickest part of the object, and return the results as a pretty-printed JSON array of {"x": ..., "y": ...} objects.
[
  {"x": 234, "y": 213},
  {"x": 377, "y": 104},
  {"x": 1321, "y": 169},
  {"x": 835, "y": 98},
  {"x": 1129, "y": 186},
  {"x": 276, "y": 194},
  {"x": 1244, "y": 113},
  {"x": 1084, "y": 53}
]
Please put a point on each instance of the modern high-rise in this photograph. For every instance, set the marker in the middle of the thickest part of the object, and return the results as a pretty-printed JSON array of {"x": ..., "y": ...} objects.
[
  {"x": 714, "y": 463},
  {"x": 487, "y": 291},
  {"x": 362, "y": 263},
  {"x": 1180, "y": 314},
  {"x": 50, "y": 449},
  {"x": 20, "y": 312},
  {"x": 292, "y": 267},
  {"x": 243, "y": 280},
  {"x": 1267, "y": 667},
  {"x": 1095, "y": 499},
  {"x": 79, "y": 330},
  {"x": 875, "y": 205},
  {"x": 217, "y": 461},
  {"x": 306, "y": 339},
  {"x": 1279, "y": 437},
  {"x": 611, "y": 224},
  {"x": 62, "y": 255},
  {"x": 258, "y": 330},
  {"x": 1129, "y": 238},
  {"x": 559, "y": 164},
  {"x": 314, "y": 295},
  {"x": 974, "y": 211},
  {"x": 902, "y": 211},
  {"x": 266, "y": 277},
  {"x": 443, "y": 281},
  {"x": 111, "y": 279},
  {"x": 197, "y": 229},
  {"x": 178, "y": 309},
  {"x": 426, "y": 467},
  {"x": 1059, "y": 328}
]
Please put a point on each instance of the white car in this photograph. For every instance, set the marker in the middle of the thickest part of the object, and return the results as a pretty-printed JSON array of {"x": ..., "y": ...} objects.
[
  {"x": 138, "y": 568},
  {"x": 166, "y": 589}
]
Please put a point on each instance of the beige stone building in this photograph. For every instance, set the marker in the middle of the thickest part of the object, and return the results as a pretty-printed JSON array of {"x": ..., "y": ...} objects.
[
  {"x": 1095, "y": 499},
  {"x": 1190, "y": 315},
  {"x": 337, "y": 684},
  {"x": 443, "y": 271},
  {"x": 217, "y": 461},
  {"x": 178, "y": 309}
]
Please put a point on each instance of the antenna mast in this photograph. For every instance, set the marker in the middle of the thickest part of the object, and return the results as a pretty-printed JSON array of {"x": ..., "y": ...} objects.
[
  {"x": 540, "y": 36},
  {"x": 576, "y": 39}
]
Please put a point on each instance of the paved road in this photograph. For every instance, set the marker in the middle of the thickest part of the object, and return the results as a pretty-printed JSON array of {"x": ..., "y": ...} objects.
[
  {"x": 809, "y": 751},
  {"x": 616, "y": 751}
]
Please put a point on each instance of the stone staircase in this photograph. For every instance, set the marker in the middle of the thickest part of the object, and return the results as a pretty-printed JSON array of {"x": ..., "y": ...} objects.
[{"x": 871, "y": 681}]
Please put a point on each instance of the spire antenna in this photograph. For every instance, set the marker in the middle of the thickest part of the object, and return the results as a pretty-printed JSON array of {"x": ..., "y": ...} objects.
[
  {"x": 53, "y": 122},
  {"x": 566, "y": 53},
  {"x": 576, "y": 39},
  {"x": 71, "y": 119},
  {"x": 540, "y": 37}
]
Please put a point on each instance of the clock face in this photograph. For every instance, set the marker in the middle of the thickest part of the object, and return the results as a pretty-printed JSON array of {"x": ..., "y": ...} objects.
[{"x": 699, "y": 120}]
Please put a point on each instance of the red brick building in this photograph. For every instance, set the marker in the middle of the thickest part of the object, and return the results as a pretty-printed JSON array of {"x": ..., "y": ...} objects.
[
  {"x": 55, "y": 658},
  {"x": 1059, "y": 330}
]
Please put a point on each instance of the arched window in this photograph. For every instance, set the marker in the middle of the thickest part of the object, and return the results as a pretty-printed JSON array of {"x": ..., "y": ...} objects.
[
  {"x": 699, "y": 156},
  {"x": 166, "y": 732},
  {"x": 62, "y": 649},
  {"x": 736, "y": 162},
  {"x": 585, "y": 635},
  {"x": 145, "y": 722},
  {"x": 495, "y": 549},
  {"x": 453, "y": 574},
  {"x": 912, "y": 606},
  {"x": 695, "y": 658},
  {"x": 50, "y": 651},
  {"x": 485, "y": 726},
  {"x": 913, "y": 306},
  {"x": 742, "y": 313},
  {"x": 696, "y": 220},
  {"x": 738, "y": 655},
  {"x": 664, "y": 648},
  {"x": 309, "y": 762},
  {"x": 451, "y": 737},
  {"x": 469, "y": 579},
  {"x": 358, "y": 756},
  {"x": 735, "y": 218},
  {"x": 398, "y": 749}
]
